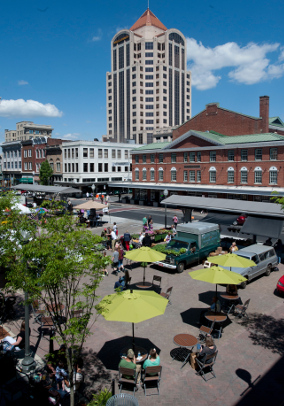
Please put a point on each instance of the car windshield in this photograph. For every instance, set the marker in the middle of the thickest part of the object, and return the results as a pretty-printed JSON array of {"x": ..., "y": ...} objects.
[
  {"x": 177, "y": 245},
  {"x": 244, "y": 255}
]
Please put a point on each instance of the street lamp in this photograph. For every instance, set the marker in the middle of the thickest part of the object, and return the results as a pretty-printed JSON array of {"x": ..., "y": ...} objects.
[
  {"x": 93, "y": 187},
  {"x": 166, "y": 193}
]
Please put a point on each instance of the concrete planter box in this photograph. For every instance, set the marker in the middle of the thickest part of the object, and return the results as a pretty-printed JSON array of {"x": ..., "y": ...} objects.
[
  {"x": 132, "y": 201},
  {"x": 155, "y": 204},
  {"x": 123, "y": 200}
]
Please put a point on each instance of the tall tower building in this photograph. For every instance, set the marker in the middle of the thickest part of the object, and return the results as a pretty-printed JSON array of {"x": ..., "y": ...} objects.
[{"x": 148, "y": 87}]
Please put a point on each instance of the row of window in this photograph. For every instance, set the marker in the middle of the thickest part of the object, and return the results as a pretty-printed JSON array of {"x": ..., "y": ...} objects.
[
  {"x": 90, "y": 153},
  {"x": 40, "y": 153},
  {"x": 90, "y": 167},
  {"x": 196, "y": 156},
  {"x": 12, "y": 165}
]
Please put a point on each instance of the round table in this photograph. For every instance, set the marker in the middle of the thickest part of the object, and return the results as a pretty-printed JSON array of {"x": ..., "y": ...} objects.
[
  {"x": 230, "y": 297},
  {"x": 143, "y": 285},
  {"x": 219, "y": 317},
  {"x": 185, "y": 342}
]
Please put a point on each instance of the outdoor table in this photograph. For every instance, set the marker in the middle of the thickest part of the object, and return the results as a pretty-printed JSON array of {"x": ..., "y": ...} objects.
[
  {"x": 143, "y": 353},
  {"x": 143, "y": 285},
  {"x": 53, "y": 307},
  {"x": 219, "y": 317},
  {"x": 186, "y": 342}
]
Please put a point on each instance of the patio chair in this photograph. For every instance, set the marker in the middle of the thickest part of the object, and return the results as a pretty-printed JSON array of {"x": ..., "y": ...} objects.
[
  {"x": 37, "y": 312},
  {"x": 152, "y": 376},
  {"x": 241, "y": 310},
  {"x": 127, "y": 283},
  {"x": 77, "y": 313},
  {"x": 207, "y": 363},
  {"x": 157, "y": 280},
  {"x": 167, "y": 294},
  {"x": 127, "y": 376},
  {"x": 204, "y": 331},
  {"x": 46, "y": 325}
]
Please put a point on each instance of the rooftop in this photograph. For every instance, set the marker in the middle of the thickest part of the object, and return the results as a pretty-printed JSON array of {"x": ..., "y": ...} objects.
[{"x": 147, "y": 19}]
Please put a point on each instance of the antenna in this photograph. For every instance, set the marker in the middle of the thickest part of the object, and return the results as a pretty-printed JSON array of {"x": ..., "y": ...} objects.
[{"x": 148, "y": 4}]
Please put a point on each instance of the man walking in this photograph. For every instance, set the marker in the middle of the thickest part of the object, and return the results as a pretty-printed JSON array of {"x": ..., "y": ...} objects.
[{"x": 127, "y": 239}]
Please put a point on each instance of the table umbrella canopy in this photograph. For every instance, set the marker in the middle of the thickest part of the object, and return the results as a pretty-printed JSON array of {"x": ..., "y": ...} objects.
[
  {"x": 145, "y": 254},
  {"x": 132, "y": 307},
  {"x": 90, "y": 204},
  {"x": 231, "y": 261},
  {"x": 23, "y": 209},
  {"x": 217, "y": 274}
]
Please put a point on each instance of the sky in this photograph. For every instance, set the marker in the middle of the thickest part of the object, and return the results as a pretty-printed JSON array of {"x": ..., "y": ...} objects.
[{"x": 54, "y": 56}]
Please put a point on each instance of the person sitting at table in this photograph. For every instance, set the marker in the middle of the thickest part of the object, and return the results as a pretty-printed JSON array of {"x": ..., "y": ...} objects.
[
  {"x": 232, "y": 290},
  {"x": 147, "y": 240},
  {"x": 130, "y": 362},
  {"x": 203, "y": 350},
  {"x": 122, "y": 281},
  {"x": 77, "y": 377},
  {"x": 168, "y": 238},
  {"x": 152, "y": 360},
  {"x": 60, "y": 375},
  {"x": 54, "y": 358},
  {"x": 216, "y": 305},
  {"x": 19, "y": 342}
]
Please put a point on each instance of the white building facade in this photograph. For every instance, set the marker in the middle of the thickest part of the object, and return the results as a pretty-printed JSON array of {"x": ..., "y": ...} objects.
[
  {"x": 26, "y": 130},
  {"x": 149, "y": 86},
  {"x": 92, "y": 162}
]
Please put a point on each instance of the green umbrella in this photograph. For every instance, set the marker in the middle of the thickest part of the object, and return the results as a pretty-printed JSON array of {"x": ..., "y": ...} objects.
[
  {"x": 217, "y": 274},
  {"x": 145, "y": 254},
  {"x": 132, "y": 307},
  {"x": 231, "y": 261}
]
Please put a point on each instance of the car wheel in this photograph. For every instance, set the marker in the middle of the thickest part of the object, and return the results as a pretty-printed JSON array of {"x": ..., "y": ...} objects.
[
  {"x": 243, "y": 284},
  {"x": 180, "y": 267},
  {"x": 268, "y": 270}
]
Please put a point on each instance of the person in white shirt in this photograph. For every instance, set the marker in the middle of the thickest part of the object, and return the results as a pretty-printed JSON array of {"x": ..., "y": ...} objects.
[
  {"x": 113, "y": 238},
  {"x": 77, "y": 379}
]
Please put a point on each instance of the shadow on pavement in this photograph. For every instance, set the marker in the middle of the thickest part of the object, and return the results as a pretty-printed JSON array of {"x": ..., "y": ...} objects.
[{"x": 192, "y": 316}]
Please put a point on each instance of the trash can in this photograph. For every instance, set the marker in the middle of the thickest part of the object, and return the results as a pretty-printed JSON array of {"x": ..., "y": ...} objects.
[{"x": 122, "y": 399}]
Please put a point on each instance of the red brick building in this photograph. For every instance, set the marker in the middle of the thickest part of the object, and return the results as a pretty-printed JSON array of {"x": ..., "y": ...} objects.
[{"x": 223, "y": 121}]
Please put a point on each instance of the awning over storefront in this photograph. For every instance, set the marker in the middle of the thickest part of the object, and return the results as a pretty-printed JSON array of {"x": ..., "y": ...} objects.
[
  {"x": 47, "y": 189},
  {"x": 263, "y": 227}
]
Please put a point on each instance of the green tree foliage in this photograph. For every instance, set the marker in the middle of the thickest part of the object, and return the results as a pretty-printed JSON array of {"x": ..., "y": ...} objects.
[
  {"x": 58, "y": 265},
  {"x": 45, "y": 173}
]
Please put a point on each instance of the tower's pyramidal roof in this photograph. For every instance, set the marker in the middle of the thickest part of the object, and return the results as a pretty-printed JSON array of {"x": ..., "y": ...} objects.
[{"x": 148, "y": 18}]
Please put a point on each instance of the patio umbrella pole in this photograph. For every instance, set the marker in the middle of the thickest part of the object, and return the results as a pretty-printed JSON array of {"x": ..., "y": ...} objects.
[
  {"x": 144, "y": 275},
  {"x": 133, "y": 340}
]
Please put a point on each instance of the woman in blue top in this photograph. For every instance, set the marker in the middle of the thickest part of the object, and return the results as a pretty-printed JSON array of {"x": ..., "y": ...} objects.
[{"x": 153, "y": 359}]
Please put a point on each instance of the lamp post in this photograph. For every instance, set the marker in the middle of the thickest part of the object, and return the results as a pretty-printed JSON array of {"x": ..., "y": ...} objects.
[
  {"x": 93, "y": 187},
  {"x": 166, "y": 193},
  {"x": 28, "y": 363}
]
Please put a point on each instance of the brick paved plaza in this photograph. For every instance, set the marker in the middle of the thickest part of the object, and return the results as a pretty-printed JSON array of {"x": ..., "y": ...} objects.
[{"x": 249, "y": 364}]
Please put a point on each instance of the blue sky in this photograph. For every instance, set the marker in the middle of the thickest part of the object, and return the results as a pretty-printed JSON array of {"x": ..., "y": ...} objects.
[{"x": 55, "y": 55}]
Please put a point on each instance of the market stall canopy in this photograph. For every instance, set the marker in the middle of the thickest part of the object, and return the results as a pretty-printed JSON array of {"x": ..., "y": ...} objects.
[
  {"x": 47, "y": 189},
  {"x": 90, "y": 204},
  {"x": 264, "y": 227}
]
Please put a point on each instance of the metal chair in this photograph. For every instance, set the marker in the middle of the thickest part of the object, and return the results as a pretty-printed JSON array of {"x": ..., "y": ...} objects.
[
  {"x": 240, "y": 310},
  {"x": 123, "y": 399},
  {"x": 204, "y": 331},
  {"x": 202, "y": 365},
  {"x": 127, "y": 376},
  {"x": 152, "y": 375},
  {"x": 167, "y": 294},
  {"x": 157, "y": 280}
]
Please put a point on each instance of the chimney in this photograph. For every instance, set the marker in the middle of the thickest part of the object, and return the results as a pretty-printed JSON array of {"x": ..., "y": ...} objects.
[{"x": 264, "y": 112}]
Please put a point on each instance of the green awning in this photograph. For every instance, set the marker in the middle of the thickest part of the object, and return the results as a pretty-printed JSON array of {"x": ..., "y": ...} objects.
[{"x": 27, "y": 180}]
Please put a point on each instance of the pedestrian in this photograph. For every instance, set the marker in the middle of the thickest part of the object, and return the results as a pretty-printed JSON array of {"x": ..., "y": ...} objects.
[
  {"x": 105, "y": 271},
  {"x": 268, "y": 242},
  {"x": 113, "y": 239},
  {"x": 107, "y": 197},
  {"x": 102, "y": 199},
  {"x": 127, "y": 239},
  {"x": 87, "y": 196},
  {"x": 233, "y": 247},
  {"x": 115, "y": 261},
  {"x": 108, "y": 235},
  {"x": 145, "y": 223},
  {"x": 120, "y": 259},
  {"x": 175, "y": 220},
  {"x": 150, "y": 223},
  {"x": 278, "y": 246}
]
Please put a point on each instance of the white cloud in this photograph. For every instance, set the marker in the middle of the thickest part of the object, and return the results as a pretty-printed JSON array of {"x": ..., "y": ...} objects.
[
  {"x": 27, "y": 108},
  {"x": 22, "y": 82},
  {"x": 97, "y": 37},
  {"x": 71, "y": 136},
  {"x": 249, "y": 64}
]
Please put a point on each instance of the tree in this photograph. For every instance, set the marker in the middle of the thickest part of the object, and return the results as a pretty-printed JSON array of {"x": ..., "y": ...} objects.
[
  {"x": 45, "y": 173},
  {"x": 61, "y": 268}
]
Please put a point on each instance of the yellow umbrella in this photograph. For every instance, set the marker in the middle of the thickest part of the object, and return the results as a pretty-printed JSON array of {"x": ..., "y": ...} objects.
[
  {"x": 145, "y": 254},
  {"x": 132, "y": 307},
  {"x": 231, "y": 261}
]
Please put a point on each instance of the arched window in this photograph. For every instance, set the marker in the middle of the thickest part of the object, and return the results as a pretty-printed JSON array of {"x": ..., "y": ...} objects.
[
  {"x": 173, "y": 174},
  {"x": 258, "y": 175},
  {"x": 51, "y": 164},
  {"x": 144, "y": 174},
  {"x": 212, "y": 174},
  {"x": 231, "y": 174},
  {"x": 58, "y": 165},
  {"x": 136, "y": 174},
  {"x": 152, "y": 174},
  {"x": 161, "y": 174},
  {"x": 244, "y": 175},
  {"x": 273, "y": 175}
]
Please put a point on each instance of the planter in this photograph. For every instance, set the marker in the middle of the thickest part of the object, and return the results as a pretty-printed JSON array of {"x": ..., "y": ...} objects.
[{"x": 160, "y": 237}]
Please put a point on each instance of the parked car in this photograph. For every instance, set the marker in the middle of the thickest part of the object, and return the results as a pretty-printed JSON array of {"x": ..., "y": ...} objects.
[
  {"x": 280, "y": 285},
  {"x": 263, "y": 256}
]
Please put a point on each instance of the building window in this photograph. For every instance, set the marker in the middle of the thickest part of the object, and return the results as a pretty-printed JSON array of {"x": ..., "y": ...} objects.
[
  {"x": 144, "y": 174},
  {"x": 198, "y": 176},
  {"x": 185, "y": 176},
  {"x": 58, "y": 167},
  {"x": 161, "y": 158},
  {"x": 136, "y": 159},
  {"x": 192, "y": 176},
  {"x": 152, "y": 174},
  {"x": 244, "y": 175},
  {"x": 212, "y": 175},
  {"x": 30, "y": 153},
  {"x": 30, "y": 166},
  {"x": 231, "y": 155},
  {"x": 100, "y": 167},
  {"x": 231, "y": 176},
  {"x": 85, "y": 153},
  {"x": 161, "y": 174},
  {"x": 258, "y": 154},
  {"x": 85, "y": 167},
  {"x": 25, "y": 166},
  {"x": 105, "y": 153},
  {"x": 25, "y": 154},
  {"x": 273, "y": 154},
  {"x": 173, "y": 174},
  {"x": 244, "y": 155},
  {"x": 152, "y": 158},
  {"x": 113, "y": 153},
  {"x": 136, "y": 174},
  {"x": 212, "y": 156},
  {"x": 198, "y": 156},
  {"x": 106, "y": 167},
  {"x": 192, "y": 157},
  {"x": 144, "y": 159},
  {"x": 185, "y": 157},
  {"x": 258, "y": 175},
  {"x": 273, "y": 175},
  {"x": 100, "y": 153},
  {"x": 173, "y": 157},
  {"x": 126, "y": 154}
]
